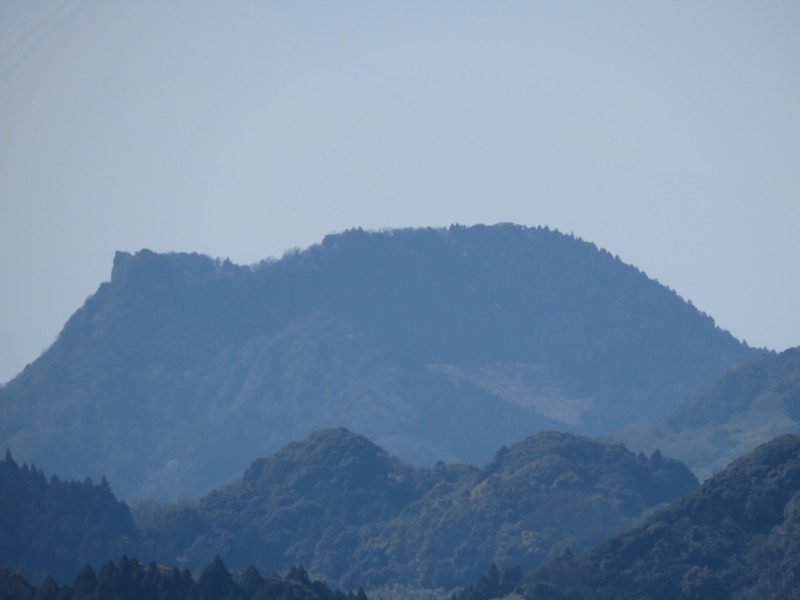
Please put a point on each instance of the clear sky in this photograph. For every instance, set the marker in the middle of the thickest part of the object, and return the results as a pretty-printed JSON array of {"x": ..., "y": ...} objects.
[{"x": 667, "y": 133}]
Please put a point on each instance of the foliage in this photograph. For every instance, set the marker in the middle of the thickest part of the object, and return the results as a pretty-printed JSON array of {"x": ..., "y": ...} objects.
[
  {"x": 735, "y": 537},
  {"x": 130, "y": 580},
  {"x": 747, "y": 406},
  {"x": 437, "y": 343},
  {"x": 351, "y": 512},
  {"x": 54, "y": 527},
  {"x": 357, "y": 516}
]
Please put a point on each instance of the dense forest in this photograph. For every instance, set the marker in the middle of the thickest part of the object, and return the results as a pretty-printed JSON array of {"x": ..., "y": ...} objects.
[
  {"x": 736, "y": 537},
  {"x": 351, "y": 513},
  {"x": 130, "y": 580},
  {"x": 357, "y": 516},
  {"x": 55, "y": 527},
  {"x": 439, "y": 344}
]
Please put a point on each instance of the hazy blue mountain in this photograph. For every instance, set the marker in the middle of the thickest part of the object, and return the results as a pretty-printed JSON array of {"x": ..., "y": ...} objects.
[
  {"x": 736, "y": 537},
  {"x": 355, "y": 515},
  {"x": 436, "y": 343},
  {"x": 750, "y": 404}
]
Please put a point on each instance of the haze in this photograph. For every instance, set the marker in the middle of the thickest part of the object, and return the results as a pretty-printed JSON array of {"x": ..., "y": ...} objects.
[{"x": 668, "y": 134}]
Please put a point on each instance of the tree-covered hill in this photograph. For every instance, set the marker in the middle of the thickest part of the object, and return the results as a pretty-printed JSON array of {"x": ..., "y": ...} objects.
[
  {"x": 736, "y": 537},
  {"x": 354, "y": 515},
  {"x": 349, "y": 511},
  {"x": 54, "y": 527},
  {"x": 439, "y": 344},
  {"x": 747, "y": 406}
]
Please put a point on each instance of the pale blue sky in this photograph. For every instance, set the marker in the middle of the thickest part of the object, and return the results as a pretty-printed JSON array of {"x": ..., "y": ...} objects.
[{"x": 667, "y": 133}]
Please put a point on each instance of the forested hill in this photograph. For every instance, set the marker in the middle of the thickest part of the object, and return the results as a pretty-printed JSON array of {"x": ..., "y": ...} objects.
[
  {"x": 749, "y": 405},
  {"x": 54, "y": 527},
  {"x": 736, "y": 537},
  {"x": 351, "y": 513},
  {"x": 436, "y": 343},
  {"x": 355, "y": 515}
]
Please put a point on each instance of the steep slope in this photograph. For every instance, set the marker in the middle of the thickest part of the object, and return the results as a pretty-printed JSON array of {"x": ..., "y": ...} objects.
[
  {"x": 737, "y": 537},
  {"x": 750, "y": 404},
  {"x": 355, "y": 515},
  {"x": 437, "y": 343}
]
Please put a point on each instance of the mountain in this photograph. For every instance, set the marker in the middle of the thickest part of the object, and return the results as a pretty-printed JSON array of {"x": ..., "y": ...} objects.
[
  {"x": 736, "y": 537},
  {"x": 439, "y": 344},
  {"x": 355, "y": 515},
  {"x": 350, "y": 512},
  {"x": 747, "y": 406}
]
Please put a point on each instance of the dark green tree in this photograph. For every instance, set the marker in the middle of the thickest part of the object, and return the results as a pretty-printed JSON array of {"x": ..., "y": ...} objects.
[{"x": 216, "y": 583}]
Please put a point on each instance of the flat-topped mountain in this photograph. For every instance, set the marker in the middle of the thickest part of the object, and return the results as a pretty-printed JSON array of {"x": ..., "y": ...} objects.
[{"x": 439, "y": 344}]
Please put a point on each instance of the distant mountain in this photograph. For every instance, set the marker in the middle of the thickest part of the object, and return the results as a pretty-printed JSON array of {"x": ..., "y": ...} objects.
[
  {"x": 747, "y": 406},
  {"x": 354, "y": 515},
  {"x": 440, "y": 344},
  {"x": 736, "y": 537}
]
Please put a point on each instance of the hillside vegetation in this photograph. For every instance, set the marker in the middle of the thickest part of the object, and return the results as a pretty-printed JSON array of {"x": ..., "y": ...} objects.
[
  {"x": 351, "y": 513},
  {"x": 439, "y": 344},
  {"x": 750, "y": 404},
  {"x": 53, "y": 527},
  {"x": 736, "y": 537},
  {"x": 355, "y": 515},
  {"x": 129, "y": 579}
]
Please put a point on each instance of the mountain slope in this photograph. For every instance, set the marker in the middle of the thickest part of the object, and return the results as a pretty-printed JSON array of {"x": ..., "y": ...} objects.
[
  {"x": 437, "y": 343},
  {"x": 353, "y": 514},
  {"x": 736, "y": 537},
  {"x": 750, "y": 404}
]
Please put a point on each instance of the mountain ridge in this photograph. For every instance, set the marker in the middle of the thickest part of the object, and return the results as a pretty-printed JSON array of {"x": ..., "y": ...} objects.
[
  {"x": 441, "y": 344},
  {"x": 355, "y": 515}
]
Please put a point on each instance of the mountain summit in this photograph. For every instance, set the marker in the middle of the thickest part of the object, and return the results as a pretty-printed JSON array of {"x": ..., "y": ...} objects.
[{"x": 436, "y": 343}]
